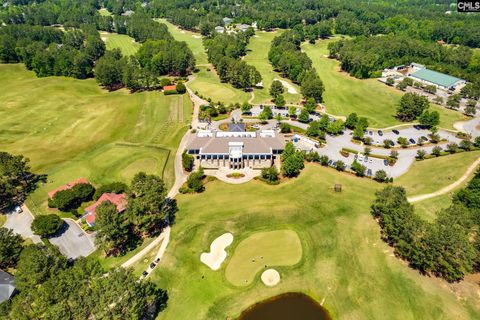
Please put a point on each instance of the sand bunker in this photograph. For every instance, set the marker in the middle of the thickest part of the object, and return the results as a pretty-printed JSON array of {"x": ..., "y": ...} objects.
[
  {"x": 287, "y": 85},
  {"x": 196, "y": 36},
  {"x": 217, "y": 254},
  {"x": 270, "y": 277}
]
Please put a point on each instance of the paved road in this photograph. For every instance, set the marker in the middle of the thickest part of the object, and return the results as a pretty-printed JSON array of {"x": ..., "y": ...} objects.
[
  {"x": 73, "y": 241},
  {"x": 21, "y": 223}
]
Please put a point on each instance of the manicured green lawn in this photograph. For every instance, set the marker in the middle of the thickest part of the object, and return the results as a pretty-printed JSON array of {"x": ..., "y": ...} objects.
[
  {"x": 260, "y": 251},
  {"x": 126, "y": 44},
  {"x": 369, "y": 98},
  {"x": 433, "y": 174},
  {"x": 257, "y": 56},
  {"x": 207, "y": 84},
  {"x": 429, "y": 208},
  {"x": 72, "y": 128},
  {"x": 344, "y": 262}
]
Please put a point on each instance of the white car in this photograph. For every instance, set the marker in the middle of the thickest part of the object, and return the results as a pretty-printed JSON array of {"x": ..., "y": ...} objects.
[{"x": 18, "y": 209}]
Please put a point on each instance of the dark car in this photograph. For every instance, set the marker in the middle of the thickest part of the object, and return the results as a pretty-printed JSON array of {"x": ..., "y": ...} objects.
[
  {"x": 396, "y": 131},
  {"x": 380, "y": 133},
  {"x": 412, "y": 141},
  {"x": 424, "y": 138},
  {"x": 152, "y": 265},
  {"x": 369, "y": 172},
  {"x": 370, "y": 132},
  {"x": 157, "y": 260},
  {"x": 385, "y": 162},
  {"x": 144, "y": 273}
]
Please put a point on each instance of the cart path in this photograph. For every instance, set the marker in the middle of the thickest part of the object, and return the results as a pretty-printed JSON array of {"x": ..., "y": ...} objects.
[{"x": 448, "y": 188}]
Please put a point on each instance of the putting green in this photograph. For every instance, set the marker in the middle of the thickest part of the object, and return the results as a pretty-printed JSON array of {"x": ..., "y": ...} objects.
[{"x": 260, "y": 251}]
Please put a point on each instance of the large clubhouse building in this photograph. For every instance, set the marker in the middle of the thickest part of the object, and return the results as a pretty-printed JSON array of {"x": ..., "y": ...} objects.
[{"x": 236, "y": 149}]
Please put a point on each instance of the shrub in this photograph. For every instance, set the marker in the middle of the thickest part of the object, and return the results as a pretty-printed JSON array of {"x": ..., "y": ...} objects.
[
  {"x": 293, "y": 164},
  {"x": 195, "y": 180},
  {"x": 165, "y": 82},
  {"x": 421, "y": 154},
  {"x": 47, "y": 225},
  {"x": 340, "y": 165},
  {"x": 324, "y": 160},
  {"x": 270, "y": 175},
  {"x": 114, "y": 187},
  {"x": 466, "y": 145},
  {"x": 312, "y": 156},
  {"x": 181, "y": 88},
  {"x": 285, "y": 128},
  {"x": 452, "y": 147},
  {"x": 67, "y": 200},
  {"x": 436, "y": 151},
  {"x": 169, "y": 92},
  {"x": 358, "y": 168},
  {"x": 187, "y": 161},
  {"x": 381, "y": 176}
]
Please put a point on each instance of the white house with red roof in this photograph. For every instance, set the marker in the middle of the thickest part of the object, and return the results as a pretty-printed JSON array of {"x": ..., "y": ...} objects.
[{"x": 119, "y": 200}]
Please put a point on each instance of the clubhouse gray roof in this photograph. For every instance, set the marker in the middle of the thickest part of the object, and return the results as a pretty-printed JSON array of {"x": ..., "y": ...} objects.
[
  {"x": 219, "y": 145},
  {"x": 7, "y": 286}
]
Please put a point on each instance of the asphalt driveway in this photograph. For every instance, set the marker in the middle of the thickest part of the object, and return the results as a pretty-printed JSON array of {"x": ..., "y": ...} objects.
[
  {"x": 21, "y": 223},
  {"x": 72, "y": 241}
]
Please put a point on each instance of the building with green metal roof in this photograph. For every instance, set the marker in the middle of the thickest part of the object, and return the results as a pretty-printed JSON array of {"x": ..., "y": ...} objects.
[{"x": 438, "y": 79}]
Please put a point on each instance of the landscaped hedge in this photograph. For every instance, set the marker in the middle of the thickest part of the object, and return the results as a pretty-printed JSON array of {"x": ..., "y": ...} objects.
[
  {"x": 68, "y": 200},
  {"x": 169, "y": 92}
]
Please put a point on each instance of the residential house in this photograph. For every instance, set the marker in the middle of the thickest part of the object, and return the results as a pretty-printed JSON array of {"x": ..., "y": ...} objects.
[
  {"x": 119, "y": 200},
  {"x": 7, "y": 286}
]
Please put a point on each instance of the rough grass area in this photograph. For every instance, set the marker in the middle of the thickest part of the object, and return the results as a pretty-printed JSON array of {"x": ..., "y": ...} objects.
[
  {"x": 257, "y": 56},
  {"x": 344, "y": 262},
  {"x": 433, "y": 174},
  {"x": 126, "y": 44},
  {"x": 260, "y": 251},
  {"x": 368, "y": 98},
  {"x": 72, "y": 128},
  {"x": 104, "y": 12}
]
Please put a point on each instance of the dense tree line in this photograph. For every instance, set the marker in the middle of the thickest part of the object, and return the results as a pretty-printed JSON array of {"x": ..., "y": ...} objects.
[
  {"x": 75, "y": 50},
  {"x": 448, "y": 247},
  {"x": 49, "y": 51},
  {"x": 224, "y": 52},
  {"x": 52, "y": 288},
  {"x": 286, "y": 57},
  {"x": 16, "y": 180},
  {"x": 364, "y": 57},
  {"x": 413, "y": 18}
]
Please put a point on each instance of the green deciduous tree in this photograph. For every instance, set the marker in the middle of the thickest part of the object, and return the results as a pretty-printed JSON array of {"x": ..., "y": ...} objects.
[
  {"x": 47, "y": 225},
  {"x": 10, "y": 248},
  {"x": 276, "y": 89}
]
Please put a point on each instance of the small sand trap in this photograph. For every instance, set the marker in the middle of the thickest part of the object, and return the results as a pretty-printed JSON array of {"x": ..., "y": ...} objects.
[
  {"x": 287, "y": 85},
  {"x": 217, "y": 254},
  {"x": 196, "y": 36},
  {"x": 270, "y": 277},
  {"x": 104, "y": 39}
]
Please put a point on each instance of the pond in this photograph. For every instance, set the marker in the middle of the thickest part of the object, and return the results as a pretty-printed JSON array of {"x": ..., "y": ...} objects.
[{"x": 288, "y": 306}]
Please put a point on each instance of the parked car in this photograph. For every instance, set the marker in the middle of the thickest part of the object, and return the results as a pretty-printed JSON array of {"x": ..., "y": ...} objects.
[
  {"x": 396, "y": 131},
  {"x": 18, "y": 209},
  {"x": 370, "y": 133},
  {"x": 412, "y": 141},
  {"x": 144, "y": 274},
  {"x": 157, "y": 260},
  {"x": 424, "y": 138},
  {"x": 385, "y": 162},
  {"x": 369, "y": 172},
  {"x": 380, "y": 133},
  {"x": 153, "y": 265}
]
